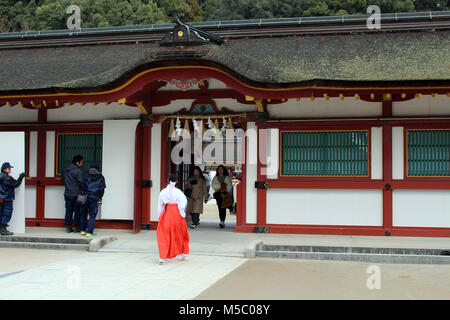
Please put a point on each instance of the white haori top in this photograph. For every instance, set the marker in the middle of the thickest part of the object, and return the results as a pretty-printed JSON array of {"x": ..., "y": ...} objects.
[{"x": 172, "y": 195}]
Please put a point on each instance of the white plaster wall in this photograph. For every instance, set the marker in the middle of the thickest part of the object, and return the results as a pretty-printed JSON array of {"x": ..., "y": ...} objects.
[
  {"x": 421, "y": 208},
  {"x": 321, "y": 108},
  {"x": 324, "y": 207},
  {"x": 32, "y": 170},
  {"x": 30, "y": 202},
  {"x": 230, "y": 104},
  {"x": 216, "y": 84},
  {"x": 118, "y": 168},
  {"x": 174, "y": 106},
  {"x": 424, "y": 106},
  {"x": 17, "y": 114},
  {"x": 155, "y": 170},
  {"x": 273, "y": 153},
  {"x": 55, "y": 206},
  {"x": 13, "y": 150},
  {"x": 376, "y": 154},
  {"x": 235, "y": 106},
  {"x": 398, "y": 161},
  {"x": 90, "y": 112},
  {"x": 50, "y": 155},
  {"x": 251, "y": 175}
]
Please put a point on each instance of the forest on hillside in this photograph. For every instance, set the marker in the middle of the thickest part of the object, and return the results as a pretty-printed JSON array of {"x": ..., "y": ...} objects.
[{"x": 25, "y": 15}]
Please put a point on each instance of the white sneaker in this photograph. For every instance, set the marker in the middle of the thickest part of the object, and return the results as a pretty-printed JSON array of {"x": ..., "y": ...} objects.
[
  {"x": 162, "y": 261},
  {"x": 181, "y": 256}
]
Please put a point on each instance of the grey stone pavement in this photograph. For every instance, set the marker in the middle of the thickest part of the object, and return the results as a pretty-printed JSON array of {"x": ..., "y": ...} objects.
[{"x": 128, "y": 267}]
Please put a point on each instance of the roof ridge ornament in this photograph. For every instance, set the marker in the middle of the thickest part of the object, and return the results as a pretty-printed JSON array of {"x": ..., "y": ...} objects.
[{"x": 185, "y": 35}]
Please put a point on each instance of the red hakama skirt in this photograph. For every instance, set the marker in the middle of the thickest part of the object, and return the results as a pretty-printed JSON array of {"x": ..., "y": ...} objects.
[{"x": 172, "y": 233}]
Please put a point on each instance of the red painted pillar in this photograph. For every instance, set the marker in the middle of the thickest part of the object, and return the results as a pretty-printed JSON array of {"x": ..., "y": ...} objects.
[
  {"x": 387, "y": 167},
  {"x": 40, "y": 176},
  {"x": 261, "y": 193}
]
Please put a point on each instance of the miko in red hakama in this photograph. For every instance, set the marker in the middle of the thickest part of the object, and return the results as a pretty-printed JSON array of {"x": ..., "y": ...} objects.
[{"x": 172, "y": 232}]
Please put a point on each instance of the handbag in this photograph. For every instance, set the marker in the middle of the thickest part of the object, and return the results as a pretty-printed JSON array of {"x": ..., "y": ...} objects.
[
  {"x": 226, "y": 200},
  {"x": 82, "y": 198},
  {"x": 188, "y": 192}
]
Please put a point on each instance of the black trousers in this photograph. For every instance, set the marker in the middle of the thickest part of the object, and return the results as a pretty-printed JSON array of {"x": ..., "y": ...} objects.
[
  {"x": 195, "y": 218},
  {"x": 222, "y": 211}
]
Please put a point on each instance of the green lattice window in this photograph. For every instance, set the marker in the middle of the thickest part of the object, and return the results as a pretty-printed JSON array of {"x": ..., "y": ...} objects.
[
  {"x": 87, "y": 145},
  {"x": 324, "y": 153},
  {"x": 428, "y": 153}
]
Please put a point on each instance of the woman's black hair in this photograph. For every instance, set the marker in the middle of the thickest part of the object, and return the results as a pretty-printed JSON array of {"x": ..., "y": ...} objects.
[
  {"x": 173, "y": 177},
  {"x": 225, "y": 171},
  {"x": 199, "y": 170}
]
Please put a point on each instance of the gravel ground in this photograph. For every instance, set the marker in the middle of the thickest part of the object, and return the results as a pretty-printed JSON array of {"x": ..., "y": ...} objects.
[{"x": 265, "y": 278}]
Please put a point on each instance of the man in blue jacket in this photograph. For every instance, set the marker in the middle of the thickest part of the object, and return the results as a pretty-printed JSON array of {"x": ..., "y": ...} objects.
[
  {"x": 73, "y": 178},
  {"x": 94, "y": 184},
  {"x": 7, "y": 186}
]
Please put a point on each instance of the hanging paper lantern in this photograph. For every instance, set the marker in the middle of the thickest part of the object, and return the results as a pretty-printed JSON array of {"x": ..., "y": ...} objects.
[
  {"x": 178, "y": 126},
  {"x": 210, "y": 124},
  {"x": 230, "y": 124},
  {"x": 171, "y": 129},
  {"x": 230, "y": 129},
  {"x": 224, "y": 125},
  {"x": 201, "y": 129},
  {"x": 186, "y": 131},
  {"x": 216, "y": 124}
]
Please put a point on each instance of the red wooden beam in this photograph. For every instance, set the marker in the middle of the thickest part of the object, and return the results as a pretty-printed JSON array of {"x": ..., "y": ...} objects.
[
  {"x": 387, "y": 168},
  {"x": 41, "y": 167}
]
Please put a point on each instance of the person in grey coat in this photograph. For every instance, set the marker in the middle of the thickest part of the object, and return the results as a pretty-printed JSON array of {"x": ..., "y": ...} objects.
[
  {"x": 73, "y": 179},
  {"x": 197, "y": 195}
]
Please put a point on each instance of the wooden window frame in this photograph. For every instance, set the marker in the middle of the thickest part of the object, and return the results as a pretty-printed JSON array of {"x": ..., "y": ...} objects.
[
  {"x": 74, "y": 132},
  {"x": 406, "y": 155},
  {"x": 368, "y": 175}
]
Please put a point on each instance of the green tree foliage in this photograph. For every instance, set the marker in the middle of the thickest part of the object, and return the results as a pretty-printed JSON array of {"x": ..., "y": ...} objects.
[{"x": 27, "y": 15}]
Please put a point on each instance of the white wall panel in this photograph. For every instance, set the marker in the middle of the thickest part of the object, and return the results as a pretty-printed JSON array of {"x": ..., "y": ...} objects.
[
  {"x": 118, "y": 168},
  {"x": 50, "y": 155},
  {"x": 273, "y": 144},
  {"x": 173, "y": 107},
  {"x": 13, "y": 150},
  {"x": 155, "y": 170},
  {"x": 30, "y": 202},
  {"x": 55, "y": 207},
  {"x": 376, "y": 154},
  {"x": 424, "y": 106},
  {"x": 421, "y": 208},
  {"x": 397, "y": 153},
  {"x": 90, "y": 112},
  {"x": 17, "y": 114},
  {"x": 32, "y": 170},
  {"x": 321, "y": 108},
  {"x": 325, "y": 207},
  {"x": 251, "y": 174}
]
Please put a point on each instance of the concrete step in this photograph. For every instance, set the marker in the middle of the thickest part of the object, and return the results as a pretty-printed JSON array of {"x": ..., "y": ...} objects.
[
  {"x": 369, "y": 250},
  {"x": 44, "y": 245},
  {"x": 362, "y": 254},
  {"x": 41, "y": 242},
  {"x": 42, "y": 239}
]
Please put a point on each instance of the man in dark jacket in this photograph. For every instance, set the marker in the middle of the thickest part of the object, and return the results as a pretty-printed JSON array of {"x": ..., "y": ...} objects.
[
  {"x": 94, "y": 184},
  {"x": 7, "y": 186},
  {"x": 72, "y": 176}
]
